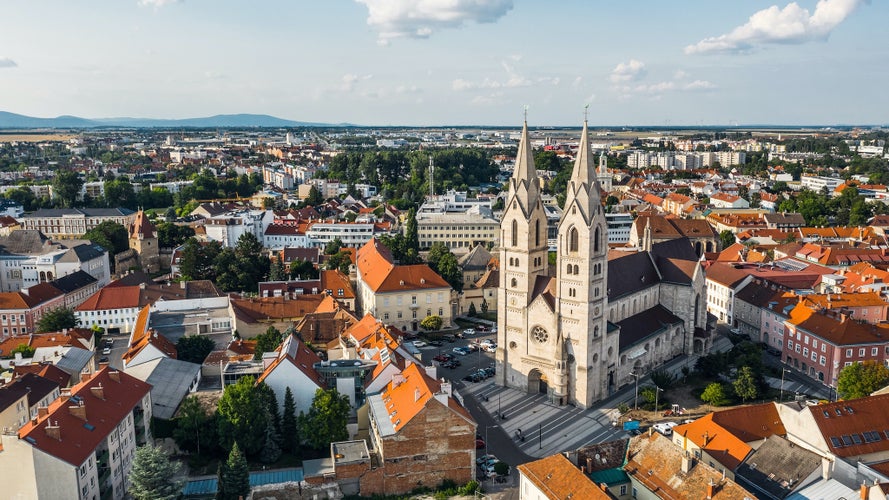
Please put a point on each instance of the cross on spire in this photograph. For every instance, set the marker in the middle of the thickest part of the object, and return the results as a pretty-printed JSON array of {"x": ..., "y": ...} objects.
[
  {"x": 526, "y": 113},
  {"x": 586, "y": 110}
]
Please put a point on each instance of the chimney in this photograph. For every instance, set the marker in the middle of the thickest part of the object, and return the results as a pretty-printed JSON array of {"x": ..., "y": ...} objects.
[
  {"x": 98, "y": 392},
  {"x": 85, "y": 376},
  {"x": 103, "y": 365},
  {"x": 711, "y": 490},
  {"x": 114, "y": 375},
  {"x": 863, "y": 491},
  {"x": 78, "y": 411},
  {"x": 603, "y": 486},
  {"x": 687, "y": 463},
  {"x": 42, "y": 411},
  {"x": 706, "y": 437},
  {"x": 54, "y": 431}
]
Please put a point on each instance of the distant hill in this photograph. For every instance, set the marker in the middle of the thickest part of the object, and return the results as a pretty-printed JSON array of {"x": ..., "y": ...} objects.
[{"x": 15, "y": 121}]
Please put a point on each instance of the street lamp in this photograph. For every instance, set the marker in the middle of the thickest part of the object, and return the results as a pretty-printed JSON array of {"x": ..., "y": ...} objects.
[
  {"x": 657, "y": 392},
  {"x": 636, "y": 394},
  {"x": 486, "y": 445},
  {"x": 783, "y": 371}
]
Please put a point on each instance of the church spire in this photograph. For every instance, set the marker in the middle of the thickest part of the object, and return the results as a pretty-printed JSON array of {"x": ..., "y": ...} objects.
[
  {"x": 524, "y": 186},
  {"x": 584, "y": 168}
]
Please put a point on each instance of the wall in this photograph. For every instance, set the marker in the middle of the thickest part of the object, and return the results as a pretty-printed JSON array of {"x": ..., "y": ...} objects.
[{"x": 19, "y": 482}]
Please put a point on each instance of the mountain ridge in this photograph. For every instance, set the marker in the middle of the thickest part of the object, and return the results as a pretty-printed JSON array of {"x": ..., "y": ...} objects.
[{"x": 239, "y": 120}]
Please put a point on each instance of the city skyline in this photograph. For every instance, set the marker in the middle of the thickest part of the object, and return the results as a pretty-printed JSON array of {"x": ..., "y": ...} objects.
[{"x": 460, "y": 62}]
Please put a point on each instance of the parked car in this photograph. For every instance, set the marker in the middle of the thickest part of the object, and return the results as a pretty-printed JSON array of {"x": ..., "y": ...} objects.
[
  {"x": 103, "y": 359},
  {"x": 484, "y": 458},
  {"x": 441, "y": 358},
  {"x": 450, "y": 364},
  {"x": 479, "y": 444},
  {"x": 459, "y": 335},
  {"x": 481, "y": 328},
  {"x": 106, "y": 351},
  {"x": 472, "y": 347},
  {"x": 492, "y": 347},
  {"x": 462, "y": 351},
  {"x": 436, "y": 343},
  {"x": 469, "y": 331},
  {"x": 491, "y": 371},
  {"x": 773, "y": 351},
  {"x": 109, "y": 342},
  {"x": 665, "y": 428},
  {"x": 418, "y": 343},
  {"x": 449, "y": 339}
]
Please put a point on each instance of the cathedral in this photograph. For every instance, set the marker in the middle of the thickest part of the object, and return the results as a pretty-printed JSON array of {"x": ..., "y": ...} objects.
[{"x": 579, "y": 330}]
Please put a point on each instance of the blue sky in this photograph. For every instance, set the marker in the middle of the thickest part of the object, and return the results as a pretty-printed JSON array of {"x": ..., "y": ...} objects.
[{"x": 451, "y": 62}]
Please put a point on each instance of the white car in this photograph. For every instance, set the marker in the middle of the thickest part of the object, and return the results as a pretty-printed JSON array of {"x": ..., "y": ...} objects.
[
  {"x": 665, "y": 428},
  {"x": 469, "y": 331},
  {"x": 418, "y": 343},
  {"x": 106, "y": 351}
]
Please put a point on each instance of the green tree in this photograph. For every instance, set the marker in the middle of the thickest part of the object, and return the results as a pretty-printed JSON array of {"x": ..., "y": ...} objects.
[
  {"x": 277, "y": 271},
  {"x": 271, "y": 452},
  {"x": 24, "y": 349},
  {"x": 726, "y": 239},
  {"x": 111, "y": 236},
  {"x": 443, "y": 262},
  {"x": 314, "y": 197},
  {"x": 56, "y": 320},
  {"x": 333, "y": 246},
  {"x": 326, "y": 421},
  {"x": 662, "y": 379},
  {"x": 193, "y": 427},
  {"x": 153, "y": 476},
  {"x": 170, "y": 235},
  {"x": 745, "y": 384},
  {"x": 432, "y": 323},
  {"x": 233, "y": 476},
  {"x": 472, "y": 312},
  {"x": 119, "y": 193},
  {"x": 858, "y": 380},
  {"x": 303, "y": 270},
  {"x": 411, "y": 235},
  {"x": 194, "y": 348},
  {"x": 267, "y": 342},
  {"x": 289, "y": 424},
  {"x": 243, "y": 416},
  {"x": 341, "y": 261},
  {"x": 198, "y": 261},
  {"x": 66, "y": 187},
  {"x": 714, "y": 394},
  {"x": 484, "y": 306}
]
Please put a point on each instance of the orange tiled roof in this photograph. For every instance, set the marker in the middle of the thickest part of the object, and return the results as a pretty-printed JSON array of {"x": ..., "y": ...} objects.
[
  {"x": 375, "y": 265},
  {"x": 294, "y": 351},
  {"x": 719, "y": 443},
  {"x": 406, "y": 399},
  {"x": 120, "y": 297},
  {"x": 559, "y": 479},
  {"x": 838, "y": 331},
  {"x": 867, "y": 415},
  {"x": 12, "y": 300},
  {"x": 274, "y": 308},
  {"x": 121, "y": 392},
  {"x": 334, "y": 280}
]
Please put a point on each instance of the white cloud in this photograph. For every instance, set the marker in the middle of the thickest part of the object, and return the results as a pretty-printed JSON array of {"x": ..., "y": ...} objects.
[
  {"x": 790, "y": 25},
  {"x": 349, "y": 80},
  {"x": 421, "y": 18},
  {"x": 512, "y": 79},
  {"x": 6, "y": 62},
  {"x": 577, "y": 83},
  {"x": 699, "y": 85},
  {"x": 628, "y": 71}
]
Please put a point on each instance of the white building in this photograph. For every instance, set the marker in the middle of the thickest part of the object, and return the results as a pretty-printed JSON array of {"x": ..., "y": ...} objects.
[
  {"x": 292, "y": 366},
  {"x": 352, "y": 234},
  {"x": 82, "y": 445},
  {"x": 61, "y": 223},
  {"x": 818, "y": 183},
  {"x": 619, "y": 226}
]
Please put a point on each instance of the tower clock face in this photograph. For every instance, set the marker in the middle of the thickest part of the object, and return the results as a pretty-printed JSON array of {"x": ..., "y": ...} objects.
[{"x": 539, "y": 334}]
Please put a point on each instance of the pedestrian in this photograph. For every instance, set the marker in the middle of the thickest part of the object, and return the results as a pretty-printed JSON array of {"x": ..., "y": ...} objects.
[{"x": 520, "y": 432}]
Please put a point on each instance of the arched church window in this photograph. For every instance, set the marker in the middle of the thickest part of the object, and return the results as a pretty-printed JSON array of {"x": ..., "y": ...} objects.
[
  {"x": 596, "y": 240},
  {"x": 572, "y": 240},
  {"x": 568, "y": 269},
  {"x": 537, "y": 232},
  {"x": 539, "y": 334},
  {"x": 595, "y": 332},
  {"x": 514, "y": 283},
  {"x": 515, "y": 233},
  {"x": 576, "y": 269}
]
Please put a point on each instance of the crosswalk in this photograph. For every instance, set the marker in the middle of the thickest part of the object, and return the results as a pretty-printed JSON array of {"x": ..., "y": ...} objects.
[{"x": 547, "y": 428}]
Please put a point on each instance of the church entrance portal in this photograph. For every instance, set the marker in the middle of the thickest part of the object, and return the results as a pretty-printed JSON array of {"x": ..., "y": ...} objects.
[{"x": 537, "y": 382}]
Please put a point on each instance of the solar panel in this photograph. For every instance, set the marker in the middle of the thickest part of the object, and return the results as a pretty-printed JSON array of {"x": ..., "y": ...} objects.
[
  {"x": 856, "y": 439},
  {"x": 88, "y": 426},
  {"x": 847, "y": 440},
  {"x": 836, "y": 442}
]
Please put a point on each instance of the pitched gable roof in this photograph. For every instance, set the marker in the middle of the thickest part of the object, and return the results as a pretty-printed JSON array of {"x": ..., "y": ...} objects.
[
  {"x": 407, "y": 395},
  {"x": 293, "y": 351},
  {"x": 559, "y": 479},
  {"x": 377, "y": 270},
  {"x": 847, "y": 425}
]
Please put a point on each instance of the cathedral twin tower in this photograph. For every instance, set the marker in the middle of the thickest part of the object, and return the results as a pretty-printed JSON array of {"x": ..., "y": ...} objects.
[{"x": 552, "y": 326}]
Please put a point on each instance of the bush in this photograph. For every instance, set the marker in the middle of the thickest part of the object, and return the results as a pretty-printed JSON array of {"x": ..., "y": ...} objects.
[{"x": 623, "y": 408}]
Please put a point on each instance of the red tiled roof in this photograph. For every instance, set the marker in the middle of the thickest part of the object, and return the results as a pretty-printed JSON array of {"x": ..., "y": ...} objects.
[
  {"x": 867, "y": 415},
  {"x": 120, "y": 297},
  {"x": 122, "y": 393},
  {"x": 559, "y": 479},
  {"x": 838, "y": 331},
  {"x": 406, "y": 399}
]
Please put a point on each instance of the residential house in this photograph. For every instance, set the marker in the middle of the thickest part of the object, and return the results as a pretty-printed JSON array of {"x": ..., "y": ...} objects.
[
  {"x": 658, "y": 469},
  {"x": 784, "y": 220},
  {"x": 556, "y": 478},
  {"x": 255, "y": 315},
  {"x": 85, "y": 441},
  {"x": 420, "y": 435},
  {"x": 292, "y": 366},
  {"x": 66, "y": 223},
  {"x": 725, "y": 200},
  {"x": 145, "y": 344},
  {"x": 20, "y": 399},
  {"x": 330, "y": 282},
  {"x": 778, "y": 469},
  {"x": 400, "y": 295}
]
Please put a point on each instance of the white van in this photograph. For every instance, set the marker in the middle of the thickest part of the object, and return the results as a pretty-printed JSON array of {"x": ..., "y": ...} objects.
[{"x": 665, "y": 428}]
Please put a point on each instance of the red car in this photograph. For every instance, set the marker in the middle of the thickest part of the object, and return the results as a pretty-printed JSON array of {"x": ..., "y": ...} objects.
[
  {"x": 441, "y": 358},
  {"x": 479, "y": 444}
]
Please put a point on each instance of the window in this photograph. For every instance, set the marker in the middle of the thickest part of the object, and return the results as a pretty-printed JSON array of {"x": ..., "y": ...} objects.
[
  {"x": 386, "y": 316},
  {"x": 572, "y": 240},
  {"x": 873, "y": 351},
  {"x": 806, "y": 352},
  {"x": 814, "y": 344},
  {"x": 822, "y": 361},
  {"x": 515, "y": 232},
  {"x": 861, "y": 352},
  {"x": 623, "y": 489},
  {"x": 848, "y": 353},
  {"x": 596, "y": 238}
]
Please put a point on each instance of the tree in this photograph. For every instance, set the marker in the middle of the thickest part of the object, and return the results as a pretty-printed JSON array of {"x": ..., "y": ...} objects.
[
  {"x": 271, "y": 452},
  {"x": 333, "y": 246},
  {"x": 745, "y": 384},
  {"x": 111, "y": 236},
  {"x": 662, "y": 379},
  {"x": 242, "y": 416},
  {"x": 25, "y": 350},
  {"x": 194, "y": 348},
  {"x": 66, "y": 187},
  {"x": 443, "y": 262},
  {"x": 326, "y": 421},
  {"x": 289, "y": 429},
  {"x": 267, "y": 342},
  {"x": 57, "y": 320},
  {"x": 192, "y": 426},
  {"x": 303, "y": 270},
  {"x": 484, "y": 306},
  {"x": 119, "y": 193},
  {"x": 277, "y": 271},
  {"x": 726, "y": 239},
  {"x": 234, "y": 476},
  {"x": 198, "y": 261},
  {"x": 170, "y": 235},
  {"x": 858, "y": 380},
  {"x": 153, "y": 476},
  {"x": 411, "y": 235},
  {"x": 432, "y": 323},
  {"x": 314, "y": 197},
  {"x": 472, "y": 311},
  {"x": 714, "y": 394}
]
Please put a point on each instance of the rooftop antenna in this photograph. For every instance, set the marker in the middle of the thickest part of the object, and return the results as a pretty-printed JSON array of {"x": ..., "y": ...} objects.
[{"x": 431, "y": 176}]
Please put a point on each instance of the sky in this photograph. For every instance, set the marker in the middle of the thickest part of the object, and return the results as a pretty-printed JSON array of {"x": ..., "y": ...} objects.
[{"x": 451, "y": 62}]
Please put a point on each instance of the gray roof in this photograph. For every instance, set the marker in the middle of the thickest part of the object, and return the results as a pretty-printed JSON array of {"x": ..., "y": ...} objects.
[
  {"x": 87, "y": 212},
  {"x": 73, "y": 281},
  {"x": 71, "y": 360},
  {"x": 170, "y": 381},
  {"x": 30, "y": 384},
  {"x": 630, "y": 272},
  {"x": 776, "y": 468},
  {"x": 83, "y": 253},
  {"x": 476, "y": 260},
  {"x": 24, "y": 242},
  {"x": 640, "y": 326}
]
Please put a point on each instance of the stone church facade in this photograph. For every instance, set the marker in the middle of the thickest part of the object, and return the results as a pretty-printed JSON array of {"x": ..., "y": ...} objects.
[{"x": 580, "y": 330}]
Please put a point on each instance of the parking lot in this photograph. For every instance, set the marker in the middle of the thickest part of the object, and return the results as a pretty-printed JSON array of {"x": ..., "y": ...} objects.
[{"x": 458, "y": 365}]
